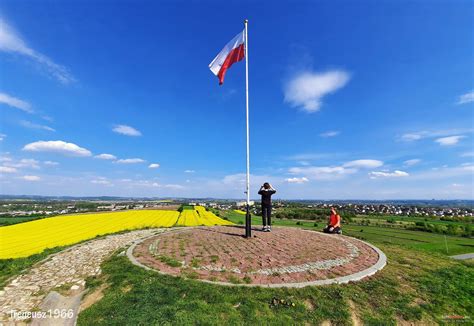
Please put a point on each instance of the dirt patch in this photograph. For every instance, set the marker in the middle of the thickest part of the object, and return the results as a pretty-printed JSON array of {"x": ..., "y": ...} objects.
[
  {"x": 402, "y": 322},
  {"x": 93, "y": 297},
  {"x": 126, "y": 288},
  {"x": 309, "y": 305},
  {"x": 356, "y": 321}
]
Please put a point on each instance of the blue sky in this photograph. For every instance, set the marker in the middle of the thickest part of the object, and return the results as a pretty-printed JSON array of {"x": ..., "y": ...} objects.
[{"x": 348, "y": 100}]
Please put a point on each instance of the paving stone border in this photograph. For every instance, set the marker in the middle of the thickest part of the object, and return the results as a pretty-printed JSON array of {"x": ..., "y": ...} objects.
[
  {"x": 64, "y": 271},
  {"x": 379, "y": 265}
]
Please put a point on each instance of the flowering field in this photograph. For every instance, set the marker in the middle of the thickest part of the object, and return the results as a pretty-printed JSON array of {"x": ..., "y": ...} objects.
[{"x": 25, "y": 239}]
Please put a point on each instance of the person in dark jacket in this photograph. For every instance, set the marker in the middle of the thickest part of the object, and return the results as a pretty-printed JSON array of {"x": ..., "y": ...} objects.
[{"x": 266, "y": 191}]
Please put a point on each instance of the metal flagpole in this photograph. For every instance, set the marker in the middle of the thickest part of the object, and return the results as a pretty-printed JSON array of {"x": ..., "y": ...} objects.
[{"x": 248, "y": 222}]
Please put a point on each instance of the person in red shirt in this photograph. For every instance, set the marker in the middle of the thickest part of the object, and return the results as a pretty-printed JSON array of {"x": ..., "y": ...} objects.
[{"x": 334, "y": 223}]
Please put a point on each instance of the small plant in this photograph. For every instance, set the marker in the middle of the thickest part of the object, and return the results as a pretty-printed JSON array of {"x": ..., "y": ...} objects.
[
  {"x": 234, "y": 279},
  {"x": 169, "y": 261},
  {"x": 189, "y": 274},
  {"x": 214, "y": 259},
  {"x": 315, "y": 225},
  {"x": 299, "y": 223},
  {"x": 247, "y": 280},
  {"x": 195, "y": 262}
]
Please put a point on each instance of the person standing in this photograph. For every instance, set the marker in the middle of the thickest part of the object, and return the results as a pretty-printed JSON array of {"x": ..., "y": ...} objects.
[{"x": 266, "y": 191}]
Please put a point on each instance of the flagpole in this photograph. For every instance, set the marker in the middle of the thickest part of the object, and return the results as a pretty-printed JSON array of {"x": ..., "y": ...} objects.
[{"x": 248, "y": 221}]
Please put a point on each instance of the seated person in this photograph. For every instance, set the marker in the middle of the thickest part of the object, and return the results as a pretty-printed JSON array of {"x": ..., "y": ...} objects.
[{"x": 334, "y": 225}]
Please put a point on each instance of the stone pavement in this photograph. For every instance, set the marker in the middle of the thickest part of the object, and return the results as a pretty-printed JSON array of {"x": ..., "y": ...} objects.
[
  {"x": 281, "y": 257},
  {"x": 464, "y": 256},
  {"x": 65, "y": 271}
]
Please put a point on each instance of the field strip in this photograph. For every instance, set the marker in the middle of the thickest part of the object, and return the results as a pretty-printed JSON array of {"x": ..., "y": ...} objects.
[
  {"x": 25, "y": 239},
  {"x": 66, "y": 270}
]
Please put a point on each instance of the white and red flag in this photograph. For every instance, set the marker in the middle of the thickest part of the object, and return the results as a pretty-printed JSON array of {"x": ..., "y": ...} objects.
[{"x": 233, "y": 52}]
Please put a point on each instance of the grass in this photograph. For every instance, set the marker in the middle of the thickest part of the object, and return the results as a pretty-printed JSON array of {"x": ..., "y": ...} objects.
[
  {"x": 12, "y": 267},
  {"x": 15, "y": 220},
  {"x": 419, "y": 284},
  {"x": 170, "y": 261},
  {"x": 15, "y": 266},
  {"x": 424, "y": 241},
  {"x": 416, "y": 287}
]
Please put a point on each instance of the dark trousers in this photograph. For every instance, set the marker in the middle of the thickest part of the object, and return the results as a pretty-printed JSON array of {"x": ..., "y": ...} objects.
[
  {"x": 334, "y": 230},
  {"x": 267, "y": 215}
]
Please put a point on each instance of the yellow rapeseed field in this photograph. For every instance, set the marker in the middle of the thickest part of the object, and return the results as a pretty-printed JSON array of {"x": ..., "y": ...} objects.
[{"x": 25, "y": 239}]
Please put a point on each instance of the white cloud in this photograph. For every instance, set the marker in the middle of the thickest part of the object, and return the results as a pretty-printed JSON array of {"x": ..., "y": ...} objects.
[
  {"x": 50, "y": 163},
  {"x": 2, "y": 137},
  {"x": 238, "y": 180},
  {"x": 189, "y": 171},
  {"x": 297, "y": 180},
  {"x": 23, "y": 163},
  {"x": 102, "y": 181},
  {"x": 11, "y": 42},
  {"x": 154, "y": 166},
  {"x": 126, "y": 130},
  {"x": 31, "y": 125},
  {"x": 7, "y": 169},
  {"x": 467, "y": 154},
  {"x": 412, "y": 162},
  {"x": 364, "y": 164},
  {"x": 466, "y": 98},
  {"x": 130, "y": 161},
  {"x": 173, "y": 186},
  {"x": 31, "y": 178},
  {"x": 382, "y": 174},
  {"x": 332, "y": 133},
  {"x": 309, "y": 156},
  {"x": 13, "y": 101},
  {"x": 412, "y": 137},
  {"x": 106, "y": 157},
  {"x": 323, "y": 172},
  {"x": 449, "y": 141},
  {"x": 334, "y": 172},
  {"x": 57, "y": 146},
  {"x": 307, "y": 89}
]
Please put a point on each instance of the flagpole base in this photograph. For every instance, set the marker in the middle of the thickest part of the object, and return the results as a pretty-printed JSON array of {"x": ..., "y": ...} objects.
[{"x": 248, "y": 223}]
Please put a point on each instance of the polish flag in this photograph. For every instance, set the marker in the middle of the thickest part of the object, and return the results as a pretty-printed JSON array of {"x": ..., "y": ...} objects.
[{"x": 233, "y": 52}]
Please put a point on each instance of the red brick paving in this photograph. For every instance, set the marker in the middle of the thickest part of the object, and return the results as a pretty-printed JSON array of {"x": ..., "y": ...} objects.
[{"x": 281, "y": 256}]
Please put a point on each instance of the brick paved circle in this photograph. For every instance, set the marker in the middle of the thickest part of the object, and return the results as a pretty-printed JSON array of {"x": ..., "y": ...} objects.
[{"x": 283, "y": 257}]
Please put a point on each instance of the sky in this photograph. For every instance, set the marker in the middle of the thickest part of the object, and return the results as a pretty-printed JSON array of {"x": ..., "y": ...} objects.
[{"x": 348, "y": 100}]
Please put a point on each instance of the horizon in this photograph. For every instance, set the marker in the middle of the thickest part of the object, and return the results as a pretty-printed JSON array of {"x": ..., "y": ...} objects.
[
  {"x": 118, "y": 101},
  {"x": 92, "y": 198}
]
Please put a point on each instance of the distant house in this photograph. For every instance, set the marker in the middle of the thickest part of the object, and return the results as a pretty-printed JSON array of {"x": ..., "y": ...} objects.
[{"x": 244, "y": 203}]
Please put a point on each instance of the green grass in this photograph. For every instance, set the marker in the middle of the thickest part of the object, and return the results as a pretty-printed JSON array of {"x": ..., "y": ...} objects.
[
  {"x": 412, "y": 219},
  {"x": 170, "y": 261},
  {"x": 419, "y": 284},
  {"x": 425, "y": 241},
  {"x": 412, "y": 287},
  {"x": 4, "y": 221},
  {"x": 15, "y": 266},
  {"x": 12, "y": 267}
]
